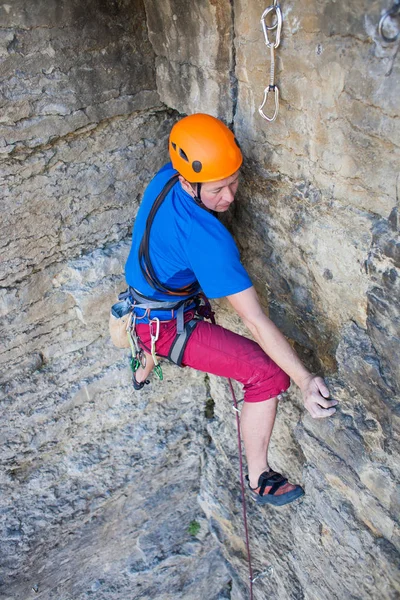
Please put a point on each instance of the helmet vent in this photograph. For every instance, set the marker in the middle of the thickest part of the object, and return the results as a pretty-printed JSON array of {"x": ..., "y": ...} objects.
[
  {"x": 173, "y": 145},
  {"x": 183, "y": 155},
  {"x": 197, "y": 166}
]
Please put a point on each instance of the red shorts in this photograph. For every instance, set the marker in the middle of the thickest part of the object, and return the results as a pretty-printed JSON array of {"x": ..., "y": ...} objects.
[{"x": 218, "y": 351}]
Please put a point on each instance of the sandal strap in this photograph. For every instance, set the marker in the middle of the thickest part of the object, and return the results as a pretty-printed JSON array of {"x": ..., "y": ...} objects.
[
  {"x": 271, "y": 478},
  {"x": 248, "y": 483},
  {"x": 266, "y": 479},
  {"x": 139, "y": 385}
]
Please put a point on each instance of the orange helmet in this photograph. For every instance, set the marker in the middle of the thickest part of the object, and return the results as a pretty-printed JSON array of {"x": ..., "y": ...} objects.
[{"x": 203, "y": 149}]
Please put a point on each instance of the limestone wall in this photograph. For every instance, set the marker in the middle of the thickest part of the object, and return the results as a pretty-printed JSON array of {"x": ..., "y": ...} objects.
[
  {"x": 84, "y": 513},
  {"x": 318, "y": 228},
  {"x": 99, "y": 486}
]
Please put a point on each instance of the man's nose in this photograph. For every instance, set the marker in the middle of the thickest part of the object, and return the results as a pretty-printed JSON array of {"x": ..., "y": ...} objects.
[{"x": 228, "y": 195}]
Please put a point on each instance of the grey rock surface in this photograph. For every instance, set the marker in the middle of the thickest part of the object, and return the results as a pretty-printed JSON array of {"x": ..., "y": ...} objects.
[
  {"x": 82, "y": 513},
  {"x": 87, "y": 514},
  {"x": 99, "y": 483},
  {"x": 193, "y": 44},
  {"x": 348, "y": 519},
  {"x": 338, "y": 122},
  {"x": 66, "y": 66},
  {"x": 99, "y": 486},
  {"x": 84, "y": 191}
]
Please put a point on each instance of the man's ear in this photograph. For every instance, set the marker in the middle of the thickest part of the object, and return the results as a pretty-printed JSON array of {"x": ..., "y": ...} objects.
[{"x": 186, "y": 185}]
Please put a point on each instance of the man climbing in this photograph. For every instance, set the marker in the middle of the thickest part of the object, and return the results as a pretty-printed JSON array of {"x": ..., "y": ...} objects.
[{"x": 180, "y": 249}]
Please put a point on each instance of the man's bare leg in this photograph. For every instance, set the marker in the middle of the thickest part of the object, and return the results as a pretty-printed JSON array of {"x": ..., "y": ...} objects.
[
  {"x": 257, "y": 421},
  {"x": 142, "y": 373}
]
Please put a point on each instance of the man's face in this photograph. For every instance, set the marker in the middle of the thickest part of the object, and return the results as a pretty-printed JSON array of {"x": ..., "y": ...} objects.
[{"x": 218, "y": 195}]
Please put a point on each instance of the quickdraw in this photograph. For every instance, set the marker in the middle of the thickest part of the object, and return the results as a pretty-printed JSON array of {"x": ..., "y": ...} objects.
[
  {"x": 138, "y": 357},
  {"x": 272, "y": 45}
]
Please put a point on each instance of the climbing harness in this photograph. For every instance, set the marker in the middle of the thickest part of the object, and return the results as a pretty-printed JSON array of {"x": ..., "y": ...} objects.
[
  {"x": 131, "y": 300},
  {"x": 193, "y": 298},
  {"x": 272, "y": 45},
  {"x": 145, "y": 263},
  {"x": 392, "y": 13},
  {"x": 174, "y": 310}
]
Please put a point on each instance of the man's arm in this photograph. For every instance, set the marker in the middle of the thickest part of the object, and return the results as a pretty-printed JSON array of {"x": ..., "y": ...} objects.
[{"x": 274, "y": 343}]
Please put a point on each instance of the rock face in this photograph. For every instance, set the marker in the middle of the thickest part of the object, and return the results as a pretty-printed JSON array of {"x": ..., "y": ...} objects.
[
  {"x": 67, "y": 65},
  {"x": 84, "y": 513},
  {"x": 194, "y": 55},
  {"x": 106, "y": 494}
]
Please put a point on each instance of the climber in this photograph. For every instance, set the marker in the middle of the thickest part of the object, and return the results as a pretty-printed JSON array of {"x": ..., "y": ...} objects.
[{"x": 189, "y": 251}]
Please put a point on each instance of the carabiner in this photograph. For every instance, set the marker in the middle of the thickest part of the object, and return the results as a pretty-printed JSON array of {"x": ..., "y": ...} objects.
[
  {"x": 157, "y": 334},
  {"x": 268, "y": 89},
  {"x": 158, "y": 372},
  {"x": 277, "y": 25},
  {"x": 154, "y": 338}
]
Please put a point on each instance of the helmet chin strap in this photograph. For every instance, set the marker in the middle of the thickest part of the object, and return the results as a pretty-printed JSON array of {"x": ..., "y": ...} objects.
[
  {"x": 197, "y": 199},
  {"x": 197, "y": 196}
]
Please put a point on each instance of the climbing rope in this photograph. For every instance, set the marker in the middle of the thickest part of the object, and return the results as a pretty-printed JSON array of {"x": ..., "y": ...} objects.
[
  {"x": 272, "y": 45},
  {"x": 246, "y": 529},
  {"x": 269, "y": 569}
]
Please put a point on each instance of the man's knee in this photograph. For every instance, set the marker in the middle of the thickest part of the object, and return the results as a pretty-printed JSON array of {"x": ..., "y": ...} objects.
[{"x": 269, "y": 384}]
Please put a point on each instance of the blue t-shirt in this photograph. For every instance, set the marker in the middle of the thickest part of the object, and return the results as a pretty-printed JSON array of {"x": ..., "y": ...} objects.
[{"x": 186, "y": 243}]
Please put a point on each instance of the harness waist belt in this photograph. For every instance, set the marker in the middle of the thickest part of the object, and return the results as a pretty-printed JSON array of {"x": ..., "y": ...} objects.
[
  {"x": 144, "y": 303},
  {"x": 183, "y": 330}
]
